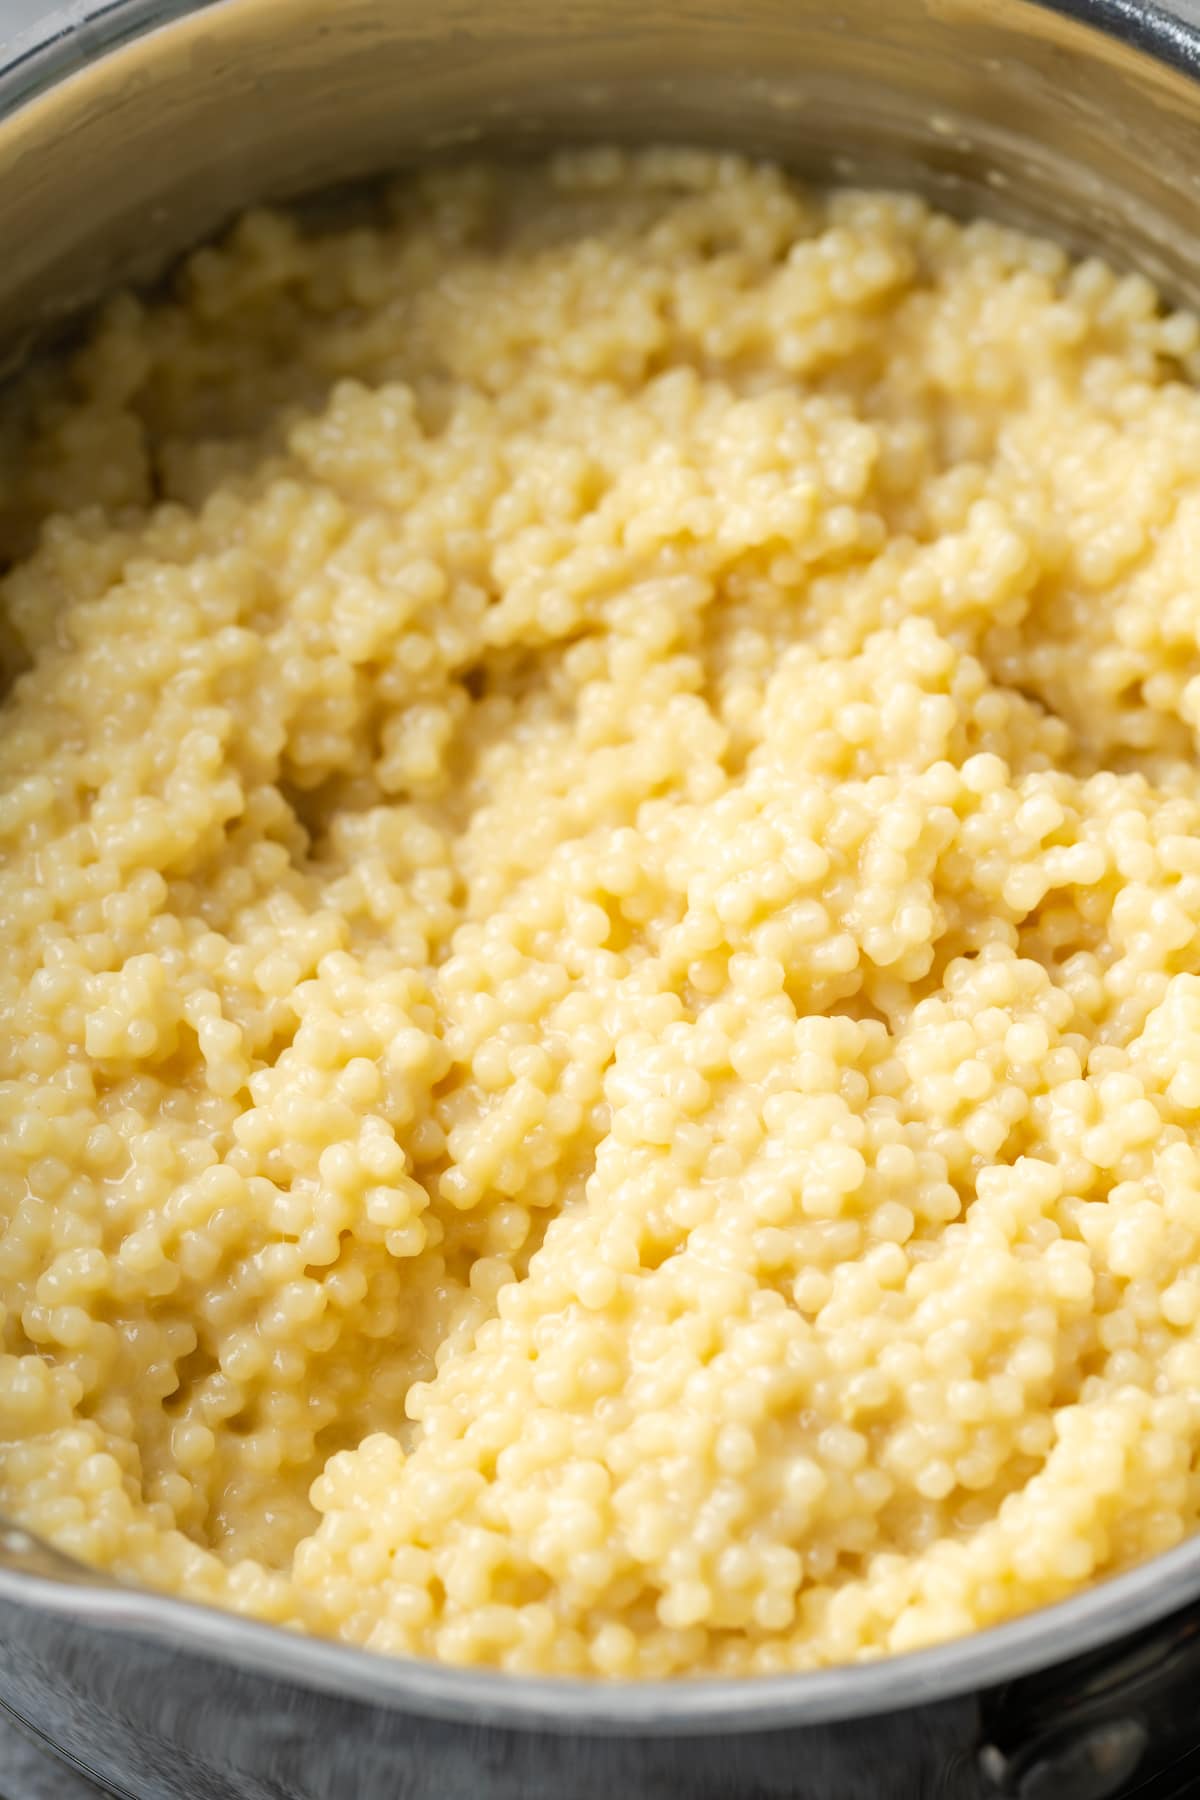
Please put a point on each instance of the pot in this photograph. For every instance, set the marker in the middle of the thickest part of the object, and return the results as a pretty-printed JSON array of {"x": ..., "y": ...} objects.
[{"x": 128, "y": 129}]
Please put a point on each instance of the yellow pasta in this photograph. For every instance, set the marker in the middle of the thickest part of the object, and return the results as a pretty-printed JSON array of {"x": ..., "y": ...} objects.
[{"x": 600, "y": 922}]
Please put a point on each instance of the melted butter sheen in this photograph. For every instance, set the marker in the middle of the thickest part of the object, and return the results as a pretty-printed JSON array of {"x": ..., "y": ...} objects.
[{"x": 600, "y": 916}]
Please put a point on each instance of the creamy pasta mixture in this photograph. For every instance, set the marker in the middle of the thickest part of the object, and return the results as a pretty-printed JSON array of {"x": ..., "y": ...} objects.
[{"x": 600, "y": 925}]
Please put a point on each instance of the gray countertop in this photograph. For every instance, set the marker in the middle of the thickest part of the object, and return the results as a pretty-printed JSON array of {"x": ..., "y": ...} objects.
[
  {"x": 27, "y": 1774},
  {"x": 17, "y": 16}
]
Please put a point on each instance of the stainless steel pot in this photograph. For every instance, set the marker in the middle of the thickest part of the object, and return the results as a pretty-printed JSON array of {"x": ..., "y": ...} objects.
[{"x": 131, "y": 127}]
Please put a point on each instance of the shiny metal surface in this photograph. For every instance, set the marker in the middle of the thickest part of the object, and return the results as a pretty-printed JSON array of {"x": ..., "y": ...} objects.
[{"x": 138, "y": 125}]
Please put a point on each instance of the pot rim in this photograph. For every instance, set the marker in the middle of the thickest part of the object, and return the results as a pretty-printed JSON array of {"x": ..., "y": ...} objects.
[
  {"x": 68, "y": 40},
  {"x": 1052, "y": 1635}
]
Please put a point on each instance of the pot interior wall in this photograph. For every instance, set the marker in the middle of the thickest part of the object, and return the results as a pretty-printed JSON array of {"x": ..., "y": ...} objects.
[{"x": 127, "y": 141}]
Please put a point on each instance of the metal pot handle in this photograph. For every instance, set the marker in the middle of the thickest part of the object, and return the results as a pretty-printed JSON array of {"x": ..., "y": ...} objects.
[{"x": 1084, "y": 1730}]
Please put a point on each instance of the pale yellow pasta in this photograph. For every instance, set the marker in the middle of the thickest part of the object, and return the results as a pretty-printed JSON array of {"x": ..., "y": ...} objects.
[{"x": 600, "y": 925}]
